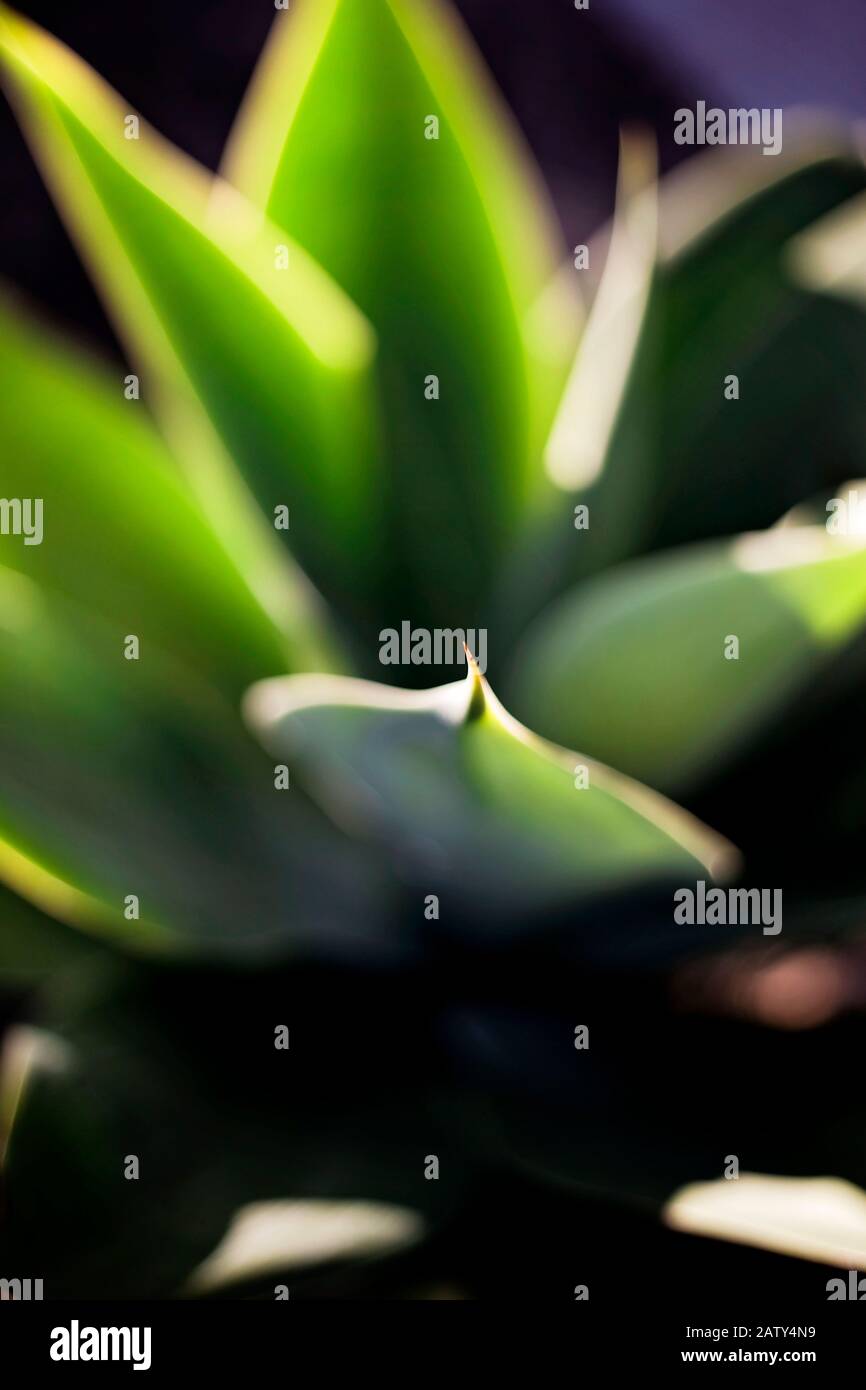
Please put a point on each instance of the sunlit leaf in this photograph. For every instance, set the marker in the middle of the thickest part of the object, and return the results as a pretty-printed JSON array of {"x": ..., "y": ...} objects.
[
  {"x": 831, "y": 257},
  {"x": 446, "y": 245},
  {"x": 239, "y": 352},
  {"x": 821, "y": 1219},
  {"x": 674, "y": 459},
  {"x": 118, "y": 531},
  {"x": 641, "y": 669},
  {"x": 576, "y": 450},
  {"x": 269, "y": 1237}
]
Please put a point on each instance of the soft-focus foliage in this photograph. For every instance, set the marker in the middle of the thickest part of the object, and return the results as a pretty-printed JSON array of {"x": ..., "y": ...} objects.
[
  {"x": 470, "y": 802},
  {"x": 792, "y": 599},
  {"x": 238, "y": 831}
]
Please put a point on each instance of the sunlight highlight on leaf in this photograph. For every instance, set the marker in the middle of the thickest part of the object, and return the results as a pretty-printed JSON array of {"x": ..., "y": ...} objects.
[
  {"x": 821, "y": 1219},
  {"x": 268, "y": 1237}
]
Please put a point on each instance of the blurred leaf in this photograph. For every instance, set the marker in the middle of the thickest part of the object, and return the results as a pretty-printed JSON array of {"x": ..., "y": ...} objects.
[
  {"x": 553, "y": 546},
  {"x": 74, "y": 1116},
  {"x": 120, "y": 532},
  {"x": 34, "y": 946},
  {"x": 133, "y": 777},
  {"x": 576, "y": 449},
  {"x": 632, "y": 667},
  {"x": 731, "y": 306},
  {"x": 278, "y": 357},
  {"x": 270, "y": 1237},
  {"x": 831, "y": 257},
  {"x": 446, "y": 245},
  {"x": 468, "y": 800},
  {"x": 679, "y": 462},
  {"x": 821, "y": 1219},
  {"x": 810, "y": 845},
  {"x": 841, "y": 508}
]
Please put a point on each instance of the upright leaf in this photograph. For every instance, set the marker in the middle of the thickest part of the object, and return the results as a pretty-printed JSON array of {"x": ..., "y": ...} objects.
[
  {"x": 246, "y": 345},
  {"x": 730, "y": 406},
  {"x": 371, "y": 136}
]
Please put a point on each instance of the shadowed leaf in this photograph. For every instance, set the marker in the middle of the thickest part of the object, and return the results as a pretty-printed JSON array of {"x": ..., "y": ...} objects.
[
  {"x": 674, "y": 459},
  {"x": 123, "y": 778}
]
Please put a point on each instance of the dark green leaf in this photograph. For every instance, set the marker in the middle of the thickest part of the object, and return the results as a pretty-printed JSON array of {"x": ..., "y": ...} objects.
[
  {"x": 646, "y": 437},
  {"x": 133, "y": 777}
]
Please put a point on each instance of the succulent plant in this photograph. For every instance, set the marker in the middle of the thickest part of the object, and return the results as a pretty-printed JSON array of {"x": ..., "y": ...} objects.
[{"x": 278, "y": 934}]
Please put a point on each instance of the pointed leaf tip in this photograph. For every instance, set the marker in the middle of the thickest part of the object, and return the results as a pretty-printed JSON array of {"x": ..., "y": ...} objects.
[{"x": 460, "y": 792}]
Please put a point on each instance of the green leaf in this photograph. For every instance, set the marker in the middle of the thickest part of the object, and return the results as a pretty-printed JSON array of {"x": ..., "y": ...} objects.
[
  {"x": 237, "y": 354},
  {"x": 133, "y": 777},
  {"x": 445, "y": 244},
  {"x": 467, "y": 799},
  {"x": 33, "y": 946},
  {"x": 731, "y": 306},
  {"x": 119, "y": 532},
  {"x": 632, "y": 666},
  {"x": 646, "y": 438},
  {"x": 600, "y": 376}
]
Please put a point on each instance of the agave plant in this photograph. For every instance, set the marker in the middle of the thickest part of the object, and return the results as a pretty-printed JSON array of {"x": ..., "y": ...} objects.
[{"x": 278, "y": 934}]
